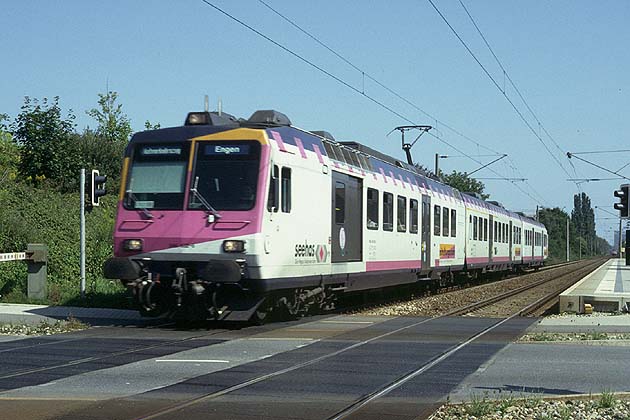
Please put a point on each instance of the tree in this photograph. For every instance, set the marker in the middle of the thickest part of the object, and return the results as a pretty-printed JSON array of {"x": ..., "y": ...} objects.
[
  {"x": 113, "y": 125},
  {"x": 150, "y": 126},
  {"x": 464, "y": 183},
  {"x": 583, "y": 217},
  {"x": 45, "y": 140},
  {"x": 9, "y": 152},
  {"x": 103, "y": 148}
]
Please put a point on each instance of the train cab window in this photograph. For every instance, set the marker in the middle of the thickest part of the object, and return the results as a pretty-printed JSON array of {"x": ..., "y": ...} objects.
[
  {"x": 413, "y": 216},
  {"x": 286, "y": 190},
  {"x": 445, "y": 220},
  {"x": 475, "y": 228},
  {"x": 274, "y": 190},
  {"x": 437, "y": 219},
  {"x": 545, "y": 240},
  {"x": 340, "y": 202},
  {"x": 453, "y": 222},
  {"x": 485, "y": 229},
  {"x": 401, "y": 214},
  {"x": 388, "y": 211},
  {"x": 372, "y": 208}
]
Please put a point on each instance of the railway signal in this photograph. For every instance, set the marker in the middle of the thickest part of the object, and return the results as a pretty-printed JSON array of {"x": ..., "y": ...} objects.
[
  {"x": 622, "y": 205},
  {"x": 96, "y": 187}
]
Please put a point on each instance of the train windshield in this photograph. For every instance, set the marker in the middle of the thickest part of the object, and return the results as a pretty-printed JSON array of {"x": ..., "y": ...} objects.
[
  {"x": 157, "y": 177},
  {"x": 226, "y": 175}
]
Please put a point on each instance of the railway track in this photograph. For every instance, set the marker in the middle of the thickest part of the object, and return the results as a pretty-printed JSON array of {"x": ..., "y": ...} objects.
[
  {"x": 533, "y": 296},
  {"x": 447, "y": 302},
  {"x": 359, "y": 407}
]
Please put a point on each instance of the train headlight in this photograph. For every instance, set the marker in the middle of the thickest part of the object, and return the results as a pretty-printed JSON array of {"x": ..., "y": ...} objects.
[
  {"x": 132, "y": 245},
  {"x": 233, "y": 246}
]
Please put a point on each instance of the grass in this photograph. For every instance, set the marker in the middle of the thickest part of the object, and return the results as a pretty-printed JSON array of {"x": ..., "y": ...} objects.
[
  {"x": 607, "y": 399},
  {"x": 479, "y": 406},
  {"x": 43, "y": 328}
]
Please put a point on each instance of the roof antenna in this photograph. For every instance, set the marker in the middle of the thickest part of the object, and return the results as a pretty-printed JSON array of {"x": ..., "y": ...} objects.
[
  {"x": 205, "y": 102},
  {"x": 220, "y": 107},
  {"x": 407, "y": 146}
]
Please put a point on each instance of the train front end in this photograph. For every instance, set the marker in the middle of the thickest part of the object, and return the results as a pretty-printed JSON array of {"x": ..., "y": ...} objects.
[{"x": 189, "y": 218}]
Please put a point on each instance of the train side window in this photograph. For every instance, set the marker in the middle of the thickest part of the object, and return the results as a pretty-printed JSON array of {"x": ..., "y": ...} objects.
[
  {"x": 475, "y": 228},
  {"x": 437, "y": 219},
  {"x": 372, "y": 208},
  {"x": 470, "y": 224},
  {"x": 413, "y": 216},
  {"x": 485, "y": 229},
  {"x": 286, "y": 190},
  {"x": 505, "y": 233},
  {"x": 274, "y": 190},
  {"x": 388, "y": 211},
  {"x": 480, "y": 229},
  {"x": 453, "y": 222},
  {"x": 340, "y": 202},
  {"x": 401, "y": 214},
  {"x": 496, "y": 235},
  {"x": 445, "y": 219}
]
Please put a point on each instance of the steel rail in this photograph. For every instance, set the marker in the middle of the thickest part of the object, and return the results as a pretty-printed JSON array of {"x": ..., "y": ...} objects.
[{"x": 358, "y": 403}]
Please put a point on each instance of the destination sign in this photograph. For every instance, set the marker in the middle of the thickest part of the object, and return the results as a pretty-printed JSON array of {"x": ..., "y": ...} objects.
[
  {"x": 224, "y": 149},
  {"x": 161, "y": 150}
]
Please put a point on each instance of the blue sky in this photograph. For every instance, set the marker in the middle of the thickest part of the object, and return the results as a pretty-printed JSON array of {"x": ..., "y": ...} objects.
[{"x": 568, "y": 58}]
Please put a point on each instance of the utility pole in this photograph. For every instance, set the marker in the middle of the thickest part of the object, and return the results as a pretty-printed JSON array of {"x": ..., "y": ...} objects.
[
  {"x": 620, "y": 237},
  {"x": 567, "y": 239},
  {"x": 82, "y": 234},
  {"x": 437, "y": 159}
]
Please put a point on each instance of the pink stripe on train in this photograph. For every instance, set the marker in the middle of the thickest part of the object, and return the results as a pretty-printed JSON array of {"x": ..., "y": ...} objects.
[{"x": 391, "y": 265}]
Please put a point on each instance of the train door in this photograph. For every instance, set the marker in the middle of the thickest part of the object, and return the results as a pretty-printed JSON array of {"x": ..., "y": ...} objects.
[
  {"x": 490, "y": 237},
  {"x": 426, "y": 232},
  {"x": 510, "y": 239},
  {"x": 347, "y": 219}
]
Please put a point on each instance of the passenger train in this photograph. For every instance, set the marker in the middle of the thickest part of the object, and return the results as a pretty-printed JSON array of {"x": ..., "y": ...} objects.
[{"x": 230, "y": 219}]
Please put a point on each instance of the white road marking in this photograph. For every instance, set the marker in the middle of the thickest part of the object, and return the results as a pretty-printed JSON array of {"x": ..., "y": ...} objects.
[
  {"x": 192, "y": 361},
  {"x": 280, "y": 339},
  {"x": 348, "y": 322}
]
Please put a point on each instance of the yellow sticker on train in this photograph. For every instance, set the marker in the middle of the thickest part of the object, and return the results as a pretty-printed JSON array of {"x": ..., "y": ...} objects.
[{"x": 447, "y": 251}]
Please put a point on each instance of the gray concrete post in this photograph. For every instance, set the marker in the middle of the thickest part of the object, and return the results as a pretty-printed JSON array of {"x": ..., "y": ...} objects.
[{"x": 37, "y": 271}]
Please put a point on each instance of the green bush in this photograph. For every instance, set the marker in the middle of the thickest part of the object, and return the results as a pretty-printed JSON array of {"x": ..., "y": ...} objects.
[{"x": 44, "y": 215}]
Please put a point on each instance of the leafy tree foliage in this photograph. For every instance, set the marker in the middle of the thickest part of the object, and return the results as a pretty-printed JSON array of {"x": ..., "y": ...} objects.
[
  {"x": 583, "y": 217},
  {"x": 113, "y": 124},
  {"x": 464, "y": 183},
  {"x": 47, "y": 149},
  {"x": 9, "y": 153},
  {"x": 150, "y": 126}
]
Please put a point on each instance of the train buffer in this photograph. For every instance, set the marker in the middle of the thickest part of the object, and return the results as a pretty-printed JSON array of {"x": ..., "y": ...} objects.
[
  {"x": 36, "y": 258},
  {"x": 607, "y": 289}
]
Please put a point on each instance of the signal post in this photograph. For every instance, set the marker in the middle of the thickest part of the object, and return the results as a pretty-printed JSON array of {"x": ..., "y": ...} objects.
[{"x": 623, "y": 194}]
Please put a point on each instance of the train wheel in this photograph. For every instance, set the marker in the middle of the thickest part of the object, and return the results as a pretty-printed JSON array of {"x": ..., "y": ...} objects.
[{"x": 260, "y": 316}]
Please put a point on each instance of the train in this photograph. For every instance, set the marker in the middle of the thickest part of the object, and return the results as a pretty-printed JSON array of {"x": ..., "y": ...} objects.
[{"x": 234, "y": 219}]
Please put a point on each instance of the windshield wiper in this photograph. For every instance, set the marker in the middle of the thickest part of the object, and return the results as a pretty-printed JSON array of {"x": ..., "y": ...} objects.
[
  {"x": 202, "y": 200},
  {"x": 134, "y": 199}
]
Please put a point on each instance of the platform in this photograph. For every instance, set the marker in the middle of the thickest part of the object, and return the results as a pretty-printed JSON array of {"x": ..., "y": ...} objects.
[{"x": 607, "y": 289}]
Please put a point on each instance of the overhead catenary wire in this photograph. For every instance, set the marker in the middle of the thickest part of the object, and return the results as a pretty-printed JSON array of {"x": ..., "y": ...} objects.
[
  {"x": 378, "y": 82},
  {"x": 349, "y": 86},
  {"x": 496, "y": 84},
  {"x": 407, "y": 101}
]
